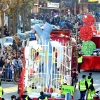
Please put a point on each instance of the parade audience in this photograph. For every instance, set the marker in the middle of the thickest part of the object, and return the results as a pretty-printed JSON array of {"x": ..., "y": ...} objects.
[{"x": 10, "y": 60}]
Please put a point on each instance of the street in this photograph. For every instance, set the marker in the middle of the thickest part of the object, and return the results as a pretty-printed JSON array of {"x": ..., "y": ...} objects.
[{"x": 11, "y": 89}]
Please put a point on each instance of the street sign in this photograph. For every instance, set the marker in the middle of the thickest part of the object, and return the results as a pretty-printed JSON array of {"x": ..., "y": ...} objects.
[{"x": 67, "y": 89}]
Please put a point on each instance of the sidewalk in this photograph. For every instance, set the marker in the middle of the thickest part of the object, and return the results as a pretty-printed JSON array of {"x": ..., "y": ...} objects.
[{"x": 9, "y": 90}]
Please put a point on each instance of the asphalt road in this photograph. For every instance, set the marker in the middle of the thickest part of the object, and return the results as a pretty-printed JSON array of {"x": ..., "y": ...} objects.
[{"x": 11, "y": 89}]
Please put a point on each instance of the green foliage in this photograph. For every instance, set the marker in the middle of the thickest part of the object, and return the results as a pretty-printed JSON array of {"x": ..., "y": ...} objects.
[
  {"x": 8, "y": 11},
  {"x": 20, "y": 5},
  {"x": 30, "y": 3}
]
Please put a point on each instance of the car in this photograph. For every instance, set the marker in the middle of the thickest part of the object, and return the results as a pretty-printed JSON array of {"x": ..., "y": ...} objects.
[
  {"x": 33, "y": 22},
  {"x": 31, "y": 35},
  {"x": 8, "y": 41}
]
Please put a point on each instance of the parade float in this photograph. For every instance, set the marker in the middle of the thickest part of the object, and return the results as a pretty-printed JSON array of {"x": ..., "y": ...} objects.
[
  {"x": 90, "y": 46},
  {"x": 48, "y": 63}
]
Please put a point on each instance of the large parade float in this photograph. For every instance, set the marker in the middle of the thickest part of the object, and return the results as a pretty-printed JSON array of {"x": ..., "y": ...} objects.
[
  {"x": 90, "y": 36},
  {"x": 48, "y": 63}
]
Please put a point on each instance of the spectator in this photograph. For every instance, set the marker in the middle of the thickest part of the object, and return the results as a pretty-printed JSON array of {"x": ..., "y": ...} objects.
[
  {"x": 2, "y": 62},
  {"x": 15, "y": 66},
  {"x": 13, "y": 97},
  {"x": 14, "y": 46},
  {"x": 0, "y": 45},
  {"x": 25, "y": 96},
  {"x": 4, "y": 72},
  {"x": 19, "y": 64},
  {"x": 9, "y": 70}
]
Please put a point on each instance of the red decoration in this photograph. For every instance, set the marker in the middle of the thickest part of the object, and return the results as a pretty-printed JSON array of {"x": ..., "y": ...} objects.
[
  {"x": 21, "y": 85},
  {"x": 86, "y": 33},
  {"x": 88, "y": 19}
]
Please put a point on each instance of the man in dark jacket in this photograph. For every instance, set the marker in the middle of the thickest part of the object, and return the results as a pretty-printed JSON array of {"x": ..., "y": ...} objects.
[
  {"x": 2, "y": 62},
  {"x": 42, "y": 96},
  {"x": 25, "y": 96}
]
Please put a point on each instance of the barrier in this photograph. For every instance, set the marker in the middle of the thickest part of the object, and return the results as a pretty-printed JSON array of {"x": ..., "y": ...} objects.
[
  {"x": 10, "y": 74},
  {"x": 37, "y": 77}
]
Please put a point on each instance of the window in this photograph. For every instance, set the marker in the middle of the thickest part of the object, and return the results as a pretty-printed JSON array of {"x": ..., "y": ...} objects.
[{"x": 9, "y": 40}]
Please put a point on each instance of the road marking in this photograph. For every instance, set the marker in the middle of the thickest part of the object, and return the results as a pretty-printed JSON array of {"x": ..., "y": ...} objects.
[{"x": 10, "y": 89}]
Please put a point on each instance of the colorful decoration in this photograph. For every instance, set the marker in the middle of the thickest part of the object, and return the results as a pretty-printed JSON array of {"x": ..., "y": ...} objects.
[
  {"x": 88, "y": 19},
  {"x": 86, "y": 33},
  {"x": 88, "y": 47}
]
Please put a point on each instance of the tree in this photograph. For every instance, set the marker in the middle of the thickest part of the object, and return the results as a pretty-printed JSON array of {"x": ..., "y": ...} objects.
[
  {"x": 13, "y": 8},
  {"x": 3, "y": 7}
]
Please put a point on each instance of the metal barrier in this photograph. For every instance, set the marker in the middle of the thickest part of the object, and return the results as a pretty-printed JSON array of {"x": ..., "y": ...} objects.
[{"x": 10, "y": 74}]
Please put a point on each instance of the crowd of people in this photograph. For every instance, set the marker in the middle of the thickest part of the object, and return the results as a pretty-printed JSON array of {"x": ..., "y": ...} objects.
[
  {"x": 10, "y": 62},
  {"x": 6, "y": 31},
  {"x": 64, "y": 21}
]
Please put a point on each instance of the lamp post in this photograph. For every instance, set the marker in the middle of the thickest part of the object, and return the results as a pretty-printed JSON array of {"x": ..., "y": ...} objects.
[{"x": 60, "y": 9}]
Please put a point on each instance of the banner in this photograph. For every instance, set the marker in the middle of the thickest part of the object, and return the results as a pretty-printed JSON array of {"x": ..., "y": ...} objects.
[
  {"x": 53, "y": 5},
  {"x": 67, "y": 89},
  {"x": 92, "y": 0}
]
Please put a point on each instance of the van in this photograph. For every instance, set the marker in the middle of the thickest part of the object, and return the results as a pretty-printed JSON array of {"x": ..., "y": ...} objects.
[{"x": 31, "y": 35}]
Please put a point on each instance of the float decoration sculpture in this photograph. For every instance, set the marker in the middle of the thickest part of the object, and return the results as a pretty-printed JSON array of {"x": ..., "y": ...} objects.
[
  {"x": 88, "y": 47},
  {"x": 86, "y": 33},
  {"x": 88, "y": 20},
  {"x": 45, "y": 40}
]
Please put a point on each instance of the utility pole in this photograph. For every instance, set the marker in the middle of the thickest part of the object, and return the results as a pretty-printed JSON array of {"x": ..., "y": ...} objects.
[{"x": 60, "y": 9}]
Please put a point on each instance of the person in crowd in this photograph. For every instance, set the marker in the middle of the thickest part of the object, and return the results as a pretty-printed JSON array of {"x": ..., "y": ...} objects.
[
  {"x": 4, "y": 72},
  {"x": 25, "y": 96},
  {"x": 13, "y": 97},
  {"x": 15, "y": 66},
  {"x": 9, "y": 70},
  {"x": 0, "y": 45},
  {"x": 89, "y": 79},
  {"x": 14, "y": 46},
  {"x": 83, "y": 86},
  {"x": 42, "y": 96},
  {"x": 21, "y": 27},
  {"x": 2, "y": 62},
  {"x": 5, "y": 55},
  {"x": 91, "y": 92},
  {"x": 74, "y": 77},
  {"x": 19, "y": 64},
  {"x": 80, "y": 61}
]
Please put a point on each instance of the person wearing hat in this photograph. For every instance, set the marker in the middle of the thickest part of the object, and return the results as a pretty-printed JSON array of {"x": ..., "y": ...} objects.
[
  {"x": 89, "y": 79},
  {"x": 13, "y": 97},
  {"x": 83, "y": 86},
  {"x": 25, "y": 96},
  {"x": 42, "y": 96}
]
